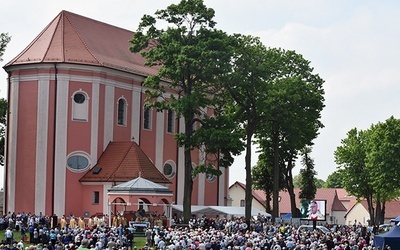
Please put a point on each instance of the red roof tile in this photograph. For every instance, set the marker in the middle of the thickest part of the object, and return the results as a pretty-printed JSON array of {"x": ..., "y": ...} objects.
[
  {"x": 328, "y": 194},
  {"x": 72, "y": 38},
  {"x": 345, "y": 197},
  {"x": 121, "y": 162}
]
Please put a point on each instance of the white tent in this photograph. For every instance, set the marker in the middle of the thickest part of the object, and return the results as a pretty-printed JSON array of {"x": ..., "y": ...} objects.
[{"x": 220, "y": 210}]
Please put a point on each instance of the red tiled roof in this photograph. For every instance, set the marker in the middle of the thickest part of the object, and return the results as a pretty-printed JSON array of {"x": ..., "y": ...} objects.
[
  {"x": 345, "y": 197},
  {"x": 328, "y": 194},
  {"x": 72, "y": 38},
  {"x": 121, "y": 162}
]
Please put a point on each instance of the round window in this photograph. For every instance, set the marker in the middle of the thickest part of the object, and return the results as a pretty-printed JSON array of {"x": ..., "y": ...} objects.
[
  {"x": 78, "y": 162},
  {"x": 168, "y": 170},
  {"x": 79, "y": 98},
  {"x": 211, "y": 177}
]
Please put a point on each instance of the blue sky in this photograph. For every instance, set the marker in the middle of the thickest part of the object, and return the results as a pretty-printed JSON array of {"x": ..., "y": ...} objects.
[{"x": 353, "y": 45}]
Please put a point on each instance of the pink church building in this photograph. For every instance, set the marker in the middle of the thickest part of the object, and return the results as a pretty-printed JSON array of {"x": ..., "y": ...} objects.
[{"x": 78, "y": 126}]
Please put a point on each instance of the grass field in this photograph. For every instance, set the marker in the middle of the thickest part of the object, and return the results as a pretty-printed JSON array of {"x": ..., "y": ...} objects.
[{"x": 138, "y": 242}]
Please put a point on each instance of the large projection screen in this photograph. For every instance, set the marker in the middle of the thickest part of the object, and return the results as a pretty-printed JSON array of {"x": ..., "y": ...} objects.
[{"x": 313, "y": 210}]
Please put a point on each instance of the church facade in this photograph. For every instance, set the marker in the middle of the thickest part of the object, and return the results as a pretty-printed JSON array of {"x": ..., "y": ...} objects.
[{"x": 78, "y": 124}]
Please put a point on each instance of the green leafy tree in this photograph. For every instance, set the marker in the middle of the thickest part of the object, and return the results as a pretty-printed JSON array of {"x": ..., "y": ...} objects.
[
  {"x": 297, "y": 181},
  {"x": 262, "y": 175},
  {"x": 292, "y": 115},
  {"x": 319, "y": 183},
  {"x": 3, "y": 116},
  {"x": 258, "y": 172},
  {"x": 334, "y": 180},
  {"x": 191, "y": 55},
  {"x": 272, "y": 89},
  {"x": 247, "y": 87},
  {"x": 351, "y": 160},
  {"x": 4, "y": 40},
  {"x": 308, "y": 180},
  {"x": 368, "y": 163},
  {"x": 382, "y": 161}
]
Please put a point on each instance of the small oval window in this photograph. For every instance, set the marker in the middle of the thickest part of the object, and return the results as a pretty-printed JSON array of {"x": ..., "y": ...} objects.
[
  {"x": 168, "y": 170},
  {"x": 211, "y": 177},
  {"x": 79, "y": 98},
  {"x": 78, "y": 162}
]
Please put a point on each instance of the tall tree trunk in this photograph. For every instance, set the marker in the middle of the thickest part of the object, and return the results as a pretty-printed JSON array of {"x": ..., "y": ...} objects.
[
  {"x": 275, "y": 178},
  {"x": 267, "y": 201},
  {"x": 249, "y": 181},
  {"x": 371, "y": 209},
  {"x": 383, "y": 213},
  {"x": 188, "y": 186},
  {"x": 378, "y": 213},
  {"x": 290, "y": 188}
]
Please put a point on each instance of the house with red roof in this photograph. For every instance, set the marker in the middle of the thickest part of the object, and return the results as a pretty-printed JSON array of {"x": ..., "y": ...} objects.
[
  {"x": 78, "y": 125},
  {"x": 358, "y": 213},
  {"x": 335, "y": 210},
  {"x": 237, "y": 195}
]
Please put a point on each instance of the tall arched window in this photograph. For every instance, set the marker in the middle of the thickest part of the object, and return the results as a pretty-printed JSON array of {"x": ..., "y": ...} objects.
[
  {"x": 170, "y": 121},
  {"x": 122, "y": 111},
  {"x": 80, "y": 106},
  {"x": 147, "y": 118}
]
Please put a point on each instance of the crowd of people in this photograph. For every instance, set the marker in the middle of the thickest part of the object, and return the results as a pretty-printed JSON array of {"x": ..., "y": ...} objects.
[{"x": 204, "y": 233}]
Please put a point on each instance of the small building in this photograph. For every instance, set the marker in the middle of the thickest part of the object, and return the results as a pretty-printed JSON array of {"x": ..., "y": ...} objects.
[
  {"x": 358, "y": 213},
  {"x": 237, "y": 194},
  {"x": 143, "y": 195}
]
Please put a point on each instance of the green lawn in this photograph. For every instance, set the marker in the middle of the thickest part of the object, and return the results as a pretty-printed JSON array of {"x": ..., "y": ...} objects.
[
  {"x": 138, "y": 242},
  {"x": 17, "y": 235}
]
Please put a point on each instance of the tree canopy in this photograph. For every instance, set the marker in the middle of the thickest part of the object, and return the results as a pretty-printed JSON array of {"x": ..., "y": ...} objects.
[
  {"x": 191, "y": 55},
  {"x": 4, "y": 40},
  {"x": 292, "y": 108},
  {"x": 368, "y": 163},
  {"x": 308, "y": 179},
  {"x": 251, "y": 89},
  {"x": 334, "y": 180}
]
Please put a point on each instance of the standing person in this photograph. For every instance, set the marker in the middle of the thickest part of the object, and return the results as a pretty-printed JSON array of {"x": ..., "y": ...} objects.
[
  {"x": 9, "y": 235},
  {"x": 90, "y": 223},
  {"x": 81, "y": 223},
  {"x": 72, "y": 222},
  {"x": 84, "y": 245},
  {"x": 148, "y": 235},
  {"x": 53, "y": 237},
  {"x": 130, "y": 238},
  {"x": 63, "y": 222}
]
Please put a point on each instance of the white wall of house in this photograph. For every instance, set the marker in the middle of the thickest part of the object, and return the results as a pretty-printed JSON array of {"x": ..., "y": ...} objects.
[
  {"x": 357, "y": 214},
  {"x": 237, "y": 194}
]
